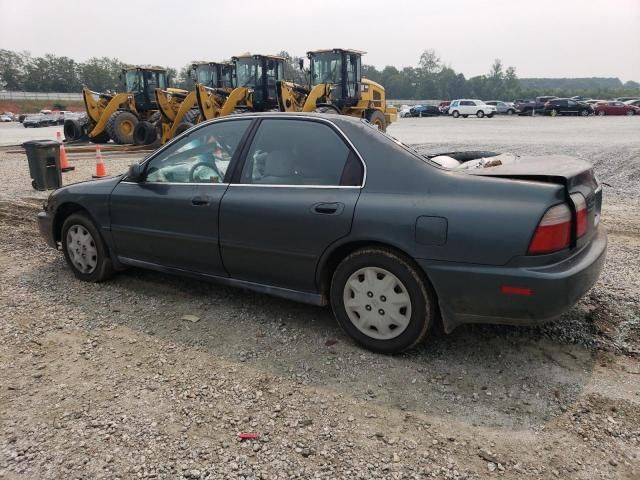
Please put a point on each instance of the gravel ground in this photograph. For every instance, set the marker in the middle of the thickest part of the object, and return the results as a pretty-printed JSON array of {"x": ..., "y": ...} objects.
[{"x": 109, "y": 381}]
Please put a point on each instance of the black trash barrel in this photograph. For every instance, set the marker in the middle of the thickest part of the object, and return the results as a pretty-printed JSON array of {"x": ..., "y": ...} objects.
[{"x": 44, "y": 164}]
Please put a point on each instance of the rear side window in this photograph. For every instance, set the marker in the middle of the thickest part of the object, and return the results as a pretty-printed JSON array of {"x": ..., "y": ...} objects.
[{"x": 298, "y": 152}]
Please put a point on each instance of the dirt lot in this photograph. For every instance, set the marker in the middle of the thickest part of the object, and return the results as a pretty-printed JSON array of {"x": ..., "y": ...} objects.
[{"x": 108, "y": 381}]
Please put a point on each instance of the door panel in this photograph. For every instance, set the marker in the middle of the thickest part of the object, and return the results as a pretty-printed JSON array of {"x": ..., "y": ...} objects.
[
  {"x": 275, "y": 235},
  {"x": 174, "y": 225}
]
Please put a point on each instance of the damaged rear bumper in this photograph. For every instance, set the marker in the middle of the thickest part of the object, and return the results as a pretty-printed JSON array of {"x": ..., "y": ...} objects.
[{"x": 533, "y": 295}]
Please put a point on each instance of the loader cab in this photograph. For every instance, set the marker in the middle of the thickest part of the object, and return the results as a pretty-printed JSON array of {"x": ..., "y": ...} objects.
[
  {"x": 214, "y": 75},
  {"x": 260, "y": 73},
  {"x": 342, "y": 68},
  {"x": 142, "y": 83}
]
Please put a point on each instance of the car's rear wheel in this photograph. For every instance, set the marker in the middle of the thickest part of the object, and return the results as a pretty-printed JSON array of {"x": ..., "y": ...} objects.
[
  {"x": 455, "y": 114},
  {"x": 381, "y": 301},
  {"x": 511, "y": 111},
  {"x": 630, "y": 112},
  {"x": 479, "y": 114},
  {"x": 84, "y": 250}
]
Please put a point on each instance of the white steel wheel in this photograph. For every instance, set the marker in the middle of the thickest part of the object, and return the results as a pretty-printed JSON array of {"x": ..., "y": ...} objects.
[
  {"x": 377, "y": 303},
  {"x": 81, "y": 248}
]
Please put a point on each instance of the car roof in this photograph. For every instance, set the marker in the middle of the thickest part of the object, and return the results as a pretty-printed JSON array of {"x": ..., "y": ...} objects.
[{"x": 331, "y": 117}]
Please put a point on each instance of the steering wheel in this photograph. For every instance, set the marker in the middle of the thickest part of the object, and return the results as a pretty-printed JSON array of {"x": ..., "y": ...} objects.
[{"x": 204, "y": 166}]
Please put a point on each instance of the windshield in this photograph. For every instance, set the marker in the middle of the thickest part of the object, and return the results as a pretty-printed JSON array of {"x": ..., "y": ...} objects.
[
  {"x": 133, "y": 81},
  {"x": 408, "y": 148},
  {"x": 249, "y": 71},
  {"x": 205, "y": 75},
  {"x": 326, "y": 68}
]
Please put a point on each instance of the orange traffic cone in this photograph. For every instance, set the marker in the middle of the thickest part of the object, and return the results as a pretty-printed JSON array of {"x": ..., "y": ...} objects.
[
  {"x": 64, "y": 161},
  {"x": 101, "y": 170}
]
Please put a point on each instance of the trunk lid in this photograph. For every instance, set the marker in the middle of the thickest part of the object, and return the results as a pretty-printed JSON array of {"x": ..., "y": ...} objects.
[{"x": 575, "y": 175}]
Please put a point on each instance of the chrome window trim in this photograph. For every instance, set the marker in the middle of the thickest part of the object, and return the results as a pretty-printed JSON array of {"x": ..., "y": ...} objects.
[
  {"x": 173, "y": 183},
  {"x": 269, "y": 185}
]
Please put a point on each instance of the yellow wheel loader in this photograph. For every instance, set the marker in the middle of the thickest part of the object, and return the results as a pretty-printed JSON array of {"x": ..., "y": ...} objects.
[
  {"x": 256, "y": 78},
  {"x": 336, "y": 86},
  {"x": 115, "y": 115},
  {"x": 179, "y": 108}
]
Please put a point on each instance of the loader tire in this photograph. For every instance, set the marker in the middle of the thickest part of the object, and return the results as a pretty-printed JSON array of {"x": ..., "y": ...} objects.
[
  {"x": 100, "y": 138},
  {"x": 192, "y": 116},
  {"x": 73, "y": 130},
  {"x": 120, "y": 127},
  {"x": 183, "y": 127},
  {"x": 376, "y": 117},
  {"x": 144, "y": 133}
]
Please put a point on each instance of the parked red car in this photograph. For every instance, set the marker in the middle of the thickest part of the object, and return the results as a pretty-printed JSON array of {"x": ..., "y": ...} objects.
[
  {"x": 444, "y": 106},
  {"x": 615, "y": 108}
]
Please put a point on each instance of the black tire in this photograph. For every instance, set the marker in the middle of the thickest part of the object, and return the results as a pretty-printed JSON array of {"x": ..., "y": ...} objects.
[
  {"x": 480, "y": 113},
  {"x": 102, "y": 137},
  {"x": 465, "y": 116},
  {"x": 376, "y": 117},
  {"x": 73, "y": 130},
  {"x": 455, "y": 114},
  {"x": 183, "y": 127},
  {"x": 511, "y": 111},
  {"x": 584, "y": 113},
  {"x": 630, "y": 113},
  {"x": 601, "y": 113},
  {"x": 103, "y": 269},
  {"x": 144, "y": 133},
  {"x": 192, "y": 116},
  {"x": 421, "y": 296},
  {"x": 120, "y": 127},
  {"x": 490, "y": 115}
]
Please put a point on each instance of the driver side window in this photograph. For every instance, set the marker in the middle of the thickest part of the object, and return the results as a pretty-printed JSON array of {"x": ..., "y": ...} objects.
[{"x": 201, "y": 157}]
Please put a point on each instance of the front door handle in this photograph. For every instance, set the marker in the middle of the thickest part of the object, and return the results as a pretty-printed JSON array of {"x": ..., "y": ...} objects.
[
  {"x": 200, "y": 201},
  {"x": 333, "y": 208}
]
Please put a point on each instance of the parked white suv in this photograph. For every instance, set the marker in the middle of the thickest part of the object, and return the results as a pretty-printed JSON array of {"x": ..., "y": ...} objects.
[{"x": 465, "y": 107}]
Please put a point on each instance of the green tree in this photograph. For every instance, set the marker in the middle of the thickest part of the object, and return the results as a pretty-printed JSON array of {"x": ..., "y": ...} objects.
[
  {"x": 12, "y": 66},
  {"x": 101, "y": 74}
]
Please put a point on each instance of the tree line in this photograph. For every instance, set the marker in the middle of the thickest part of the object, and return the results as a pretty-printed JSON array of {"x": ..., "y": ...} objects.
[{"x": 431, "y": 78}]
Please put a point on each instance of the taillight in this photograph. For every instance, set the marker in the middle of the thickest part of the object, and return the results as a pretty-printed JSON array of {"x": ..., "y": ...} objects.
[
  {"x": 581, "y": 213},
  {"x": 554, "y": 230}
]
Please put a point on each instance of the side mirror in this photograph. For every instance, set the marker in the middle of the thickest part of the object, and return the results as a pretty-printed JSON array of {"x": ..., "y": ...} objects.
[
  {"x": 301, "y": 63},
  {"x": 135, "y": 172}
]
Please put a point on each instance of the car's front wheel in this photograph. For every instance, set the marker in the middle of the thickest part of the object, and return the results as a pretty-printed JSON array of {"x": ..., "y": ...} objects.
[
  {"x": 601, "y": 113},
  {"x": 84, "y": 249},
  {"x": 584, "y": 113},
  {"x": 455, "y": 114},
  {"x": 479, "y": 114},
  {"x": 381, "y": 301}
]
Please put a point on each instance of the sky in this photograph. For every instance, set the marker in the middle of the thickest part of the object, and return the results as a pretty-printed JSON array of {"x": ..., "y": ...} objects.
[{"x": 540, "y": 38}]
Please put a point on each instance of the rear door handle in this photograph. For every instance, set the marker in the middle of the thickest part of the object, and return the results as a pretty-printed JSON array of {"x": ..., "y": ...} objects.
[
  {"x": 334, "y": 208},
  {"x": 200, "y": 200}
]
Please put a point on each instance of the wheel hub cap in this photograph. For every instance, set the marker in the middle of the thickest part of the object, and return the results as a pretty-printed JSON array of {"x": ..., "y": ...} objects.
[
  {"x": 82, "y": 249},
  {"x": 377, "y": 303}
]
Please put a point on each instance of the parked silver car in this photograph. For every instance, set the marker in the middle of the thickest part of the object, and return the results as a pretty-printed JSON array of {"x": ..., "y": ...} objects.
[{"x": 502, "y": 107}]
